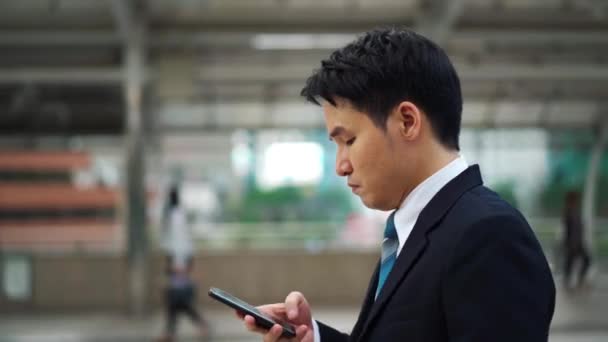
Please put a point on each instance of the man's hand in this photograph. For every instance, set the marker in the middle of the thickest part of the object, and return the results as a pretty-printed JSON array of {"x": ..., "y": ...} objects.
[{"x": 295, "y": 311}]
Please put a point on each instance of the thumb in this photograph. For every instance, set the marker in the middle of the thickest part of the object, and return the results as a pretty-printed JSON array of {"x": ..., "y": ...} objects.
[{"x": 293, "y": 302}]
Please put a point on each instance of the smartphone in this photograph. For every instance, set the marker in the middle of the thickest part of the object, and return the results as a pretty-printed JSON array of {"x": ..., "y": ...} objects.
[{"x": 241, "y": 306}]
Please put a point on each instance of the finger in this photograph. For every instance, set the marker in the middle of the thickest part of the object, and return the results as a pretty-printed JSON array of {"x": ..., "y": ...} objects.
[
  {"x": 252, "y": 326},
  {"x": 292, "y": 304},
  {"x": 274, "y": 334},
  {"x": 239, "y": 314},
  {"x": 276, "y": 311},
  {"x": 301, "y": 332},
  {"x": 309, "y": 336}
]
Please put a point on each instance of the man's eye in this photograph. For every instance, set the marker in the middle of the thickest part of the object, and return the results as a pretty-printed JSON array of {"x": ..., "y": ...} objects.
[{"x": 350, "y": 141}]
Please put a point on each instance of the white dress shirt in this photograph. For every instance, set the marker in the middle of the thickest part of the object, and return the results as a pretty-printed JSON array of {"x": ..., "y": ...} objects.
[
  {"x": 178, "y": 238},
  {"x": 409, "y": 210}
]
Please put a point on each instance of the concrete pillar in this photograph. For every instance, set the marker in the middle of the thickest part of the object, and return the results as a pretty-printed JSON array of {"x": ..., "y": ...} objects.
[
  {"x": 591, "y": 184},
  {"x": 133, "y": 30}
]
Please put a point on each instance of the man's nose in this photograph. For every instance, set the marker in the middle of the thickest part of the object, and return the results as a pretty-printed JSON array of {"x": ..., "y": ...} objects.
[{"x": 343, "y": 167}]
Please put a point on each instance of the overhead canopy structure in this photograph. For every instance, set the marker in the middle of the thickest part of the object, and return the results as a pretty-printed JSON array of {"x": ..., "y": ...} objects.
[{"x": 522, "y": 63}]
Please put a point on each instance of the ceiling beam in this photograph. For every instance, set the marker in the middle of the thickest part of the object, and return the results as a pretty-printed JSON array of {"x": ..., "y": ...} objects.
[
  {"x": 85, "y": 38},
  {"x": 195, "y": 38},
  {"x": 70, "y": 75},
  {"x": 229, "y": 73},
  {"x": 532, "y": 18},
  {"x": 548, "y": 73}
]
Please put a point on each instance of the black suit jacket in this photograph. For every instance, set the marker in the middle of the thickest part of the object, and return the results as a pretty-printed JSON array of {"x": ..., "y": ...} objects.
[{"x": 471, "y": 270}]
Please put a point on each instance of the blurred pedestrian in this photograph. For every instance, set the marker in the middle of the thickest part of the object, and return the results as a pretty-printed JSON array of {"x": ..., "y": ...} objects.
[
  {"x": 574, "y": 242},
  {"x": 180, "y": 293}
]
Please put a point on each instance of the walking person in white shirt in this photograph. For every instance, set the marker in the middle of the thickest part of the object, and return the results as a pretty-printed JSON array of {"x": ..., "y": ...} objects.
[{"x": 180, "y": 293}]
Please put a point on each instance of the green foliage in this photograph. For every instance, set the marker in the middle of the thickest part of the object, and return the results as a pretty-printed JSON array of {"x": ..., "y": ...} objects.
[
  {"x": 291, "y": 204},
  {"x": 506, "y": 190},
  {"x": 567, "y": 172}
]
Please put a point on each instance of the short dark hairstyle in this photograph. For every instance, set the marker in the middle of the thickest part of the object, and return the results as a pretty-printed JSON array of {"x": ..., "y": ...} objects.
[
  {"x": 573, "y": 198},
  {"x": 173, "y": 197},
  {"x": 386, "y": 66}
]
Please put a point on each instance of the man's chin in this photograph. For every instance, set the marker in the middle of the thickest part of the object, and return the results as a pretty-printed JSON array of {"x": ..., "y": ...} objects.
[
  {"x": 376, "y": 204},
  {"x": 369, "y": 202}
]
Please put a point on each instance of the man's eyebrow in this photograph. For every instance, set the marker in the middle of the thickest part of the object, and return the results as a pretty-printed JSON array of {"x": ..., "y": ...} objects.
[{"x": 336, "y": 131}]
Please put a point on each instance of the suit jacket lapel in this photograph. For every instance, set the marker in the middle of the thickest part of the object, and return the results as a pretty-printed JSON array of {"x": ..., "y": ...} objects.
[
  {"x": 367, "y": 303},
  {"x": 417, "y": 241},
  {"x": 411, "y": 251}
]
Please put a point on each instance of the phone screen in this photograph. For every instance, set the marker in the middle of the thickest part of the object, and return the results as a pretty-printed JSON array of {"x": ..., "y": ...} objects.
[{"x": 261, "y": 319}]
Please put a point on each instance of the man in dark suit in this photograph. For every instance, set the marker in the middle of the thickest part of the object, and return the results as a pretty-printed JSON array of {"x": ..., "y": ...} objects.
[{"x": 458, "y": 263}]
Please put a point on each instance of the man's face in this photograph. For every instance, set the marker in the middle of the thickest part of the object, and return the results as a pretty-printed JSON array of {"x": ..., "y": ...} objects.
[{"x": 367, "y": 155}]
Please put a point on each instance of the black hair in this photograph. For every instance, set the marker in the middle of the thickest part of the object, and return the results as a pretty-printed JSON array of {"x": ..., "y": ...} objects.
[
  {"x": 573, "y": 198},
  {"x": 386, "y": 66},
  {"x": 173, "y": 197}
]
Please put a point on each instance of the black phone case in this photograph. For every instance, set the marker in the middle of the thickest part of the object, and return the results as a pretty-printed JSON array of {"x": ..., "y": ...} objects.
[{"x": 260, "y": 319}]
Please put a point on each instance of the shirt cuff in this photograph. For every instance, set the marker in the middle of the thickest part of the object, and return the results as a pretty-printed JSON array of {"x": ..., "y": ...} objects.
[{"x": 315, "y": 328}]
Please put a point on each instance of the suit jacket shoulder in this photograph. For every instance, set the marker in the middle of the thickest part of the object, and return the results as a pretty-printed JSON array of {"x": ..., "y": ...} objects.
[{"x": 471, "y": 270}]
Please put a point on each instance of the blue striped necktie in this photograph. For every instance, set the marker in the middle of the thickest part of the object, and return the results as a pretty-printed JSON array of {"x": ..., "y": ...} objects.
[{"x": 390, "y": 244}]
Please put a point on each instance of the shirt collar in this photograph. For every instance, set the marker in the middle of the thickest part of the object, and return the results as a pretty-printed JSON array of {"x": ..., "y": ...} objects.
[{"x": 409, "y": 210}]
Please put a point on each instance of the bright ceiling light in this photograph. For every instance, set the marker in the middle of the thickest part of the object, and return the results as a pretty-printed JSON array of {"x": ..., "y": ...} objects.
[{"x": 300, "y": 41}]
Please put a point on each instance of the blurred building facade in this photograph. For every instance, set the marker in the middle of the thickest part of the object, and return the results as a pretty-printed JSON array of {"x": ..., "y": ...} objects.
[{"x": 97, "y": 96}]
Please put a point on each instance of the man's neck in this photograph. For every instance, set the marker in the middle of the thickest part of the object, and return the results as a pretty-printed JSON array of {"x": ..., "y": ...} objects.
[{"x": 441, "y": 158}]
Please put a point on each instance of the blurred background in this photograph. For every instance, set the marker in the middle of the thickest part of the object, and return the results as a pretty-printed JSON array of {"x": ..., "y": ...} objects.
[{"x": 104, "y": 105}]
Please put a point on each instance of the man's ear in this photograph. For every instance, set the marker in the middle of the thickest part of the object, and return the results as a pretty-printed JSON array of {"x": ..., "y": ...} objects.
[{"x": 409, "y": 118}]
